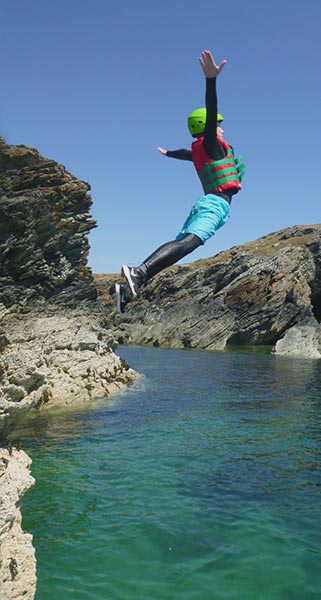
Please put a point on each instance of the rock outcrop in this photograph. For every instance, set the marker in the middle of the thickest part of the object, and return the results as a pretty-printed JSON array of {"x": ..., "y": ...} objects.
[
  {"x": 301, "y": 340},
  {"x": 52, "y": 359},
  {"x": 54, "y": 348},
  {"x": 253, "y": 294},
  {"x": 17, "y": 555},
  {"x": 44, "y": 226}
]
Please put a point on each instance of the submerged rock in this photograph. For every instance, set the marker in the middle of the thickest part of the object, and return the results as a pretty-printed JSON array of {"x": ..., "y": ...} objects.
[{"x": 250, "y": 294}]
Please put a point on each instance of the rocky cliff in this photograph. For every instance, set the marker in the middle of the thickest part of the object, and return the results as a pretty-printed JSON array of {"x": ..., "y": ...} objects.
[
  {"x": 265, "y": 292},
  {"x": 44, "y": 226},
  {"x": 52, "y": 336},
  {"x": 54, "y": 348}
]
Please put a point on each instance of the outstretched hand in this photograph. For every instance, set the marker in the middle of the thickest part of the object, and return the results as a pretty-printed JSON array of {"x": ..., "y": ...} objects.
[
  {"x": 207, "y": 62},
  {"x": 162, "y": 150}
]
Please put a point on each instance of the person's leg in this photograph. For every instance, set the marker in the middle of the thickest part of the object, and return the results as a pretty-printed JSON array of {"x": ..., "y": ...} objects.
[
  {"x": 168, "y": 254},
  {"x": 207, "y": 215},
  {"x": 165, "y": 256}
]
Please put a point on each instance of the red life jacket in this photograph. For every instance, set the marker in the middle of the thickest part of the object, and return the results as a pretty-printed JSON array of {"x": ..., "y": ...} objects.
[{"x": 215, "y": 175}]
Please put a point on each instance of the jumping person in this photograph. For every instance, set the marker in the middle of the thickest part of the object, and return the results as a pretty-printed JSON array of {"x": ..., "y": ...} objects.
[{"x": 220, "y": 174}]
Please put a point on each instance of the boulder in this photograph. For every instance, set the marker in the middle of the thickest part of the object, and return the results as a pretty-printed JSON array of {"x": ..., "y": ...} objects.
[{"x": 300, "y": 340}]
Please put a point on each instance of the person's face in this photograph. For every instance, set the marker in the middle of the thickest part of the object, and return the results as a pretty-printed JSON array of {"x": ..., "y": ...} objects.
[{"x": 219, "y": 130}]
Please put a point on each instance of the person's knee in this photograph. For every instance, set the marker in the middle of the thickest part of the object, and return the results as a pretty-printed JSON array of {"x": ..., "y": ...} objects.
[{"x": 191, "y": 241}]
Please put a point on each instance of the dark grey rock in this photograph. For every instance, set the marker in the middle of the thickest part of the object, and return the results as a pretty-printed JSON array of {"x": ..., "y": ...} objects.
[
  {"x": 251, "y": 294},
  {"x": 44, "y": 226}
]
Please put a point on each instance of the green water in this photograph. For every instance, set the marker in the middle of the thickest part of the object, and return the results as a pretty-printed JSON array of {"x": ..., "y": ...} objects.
[{"x": 202, "y": 481}]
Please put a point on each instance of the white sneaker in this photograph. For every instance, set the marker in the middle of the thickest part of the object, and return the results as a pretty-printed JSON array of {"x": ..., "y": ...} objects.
[{"x": 132, "y": 278}]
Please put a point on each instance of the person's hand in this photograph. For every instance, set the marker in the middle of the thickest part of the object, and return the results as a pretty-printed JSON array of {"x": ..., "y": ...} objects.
[
  {"x": 162, "y": 150},
  {"x": 210, "y": 69}
]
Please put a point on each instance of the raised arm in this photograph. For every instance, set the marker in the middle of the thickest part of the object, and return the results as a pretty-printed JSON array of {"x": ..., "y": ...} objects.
[{"x": 211, "y": 70}]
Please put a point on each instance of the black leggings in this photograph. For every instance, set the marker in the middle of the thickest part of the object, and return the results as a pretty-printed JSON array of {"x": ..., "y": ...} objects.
[{"x": 168, "y": 254}]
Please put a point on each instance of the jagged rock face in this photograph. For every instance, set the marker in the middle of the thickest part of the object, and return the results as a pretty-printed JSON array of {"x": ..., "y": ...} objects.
[
  {"x": 44, "y": 226},
  {"x": 251, "y": 294},
  {"x": 51, "y": 360},
  {"x": 17, "y": 555},
  {"x": 53, "y": 347}
]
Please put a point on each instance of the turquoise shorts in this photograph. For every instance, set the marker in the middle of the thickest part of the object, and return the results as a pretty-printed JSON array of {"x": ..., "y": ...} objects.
[{"x": 208, "y": 214}]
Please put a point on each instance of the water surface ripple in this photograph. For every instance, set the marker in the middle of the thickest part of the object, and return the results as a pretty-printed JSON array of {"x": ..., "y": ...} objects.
[{"x": 202, "y": 481}]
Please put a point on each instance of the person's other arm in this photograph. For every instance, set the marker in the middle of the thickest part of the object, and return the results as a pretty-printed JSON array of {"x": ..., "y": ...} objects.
[{"x": 182, "y": 154}]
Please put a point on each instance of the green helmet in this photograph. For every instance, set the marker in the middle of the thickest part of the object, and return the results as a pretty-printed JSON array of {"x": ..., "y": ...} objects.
[{"x": 197, "y": 119}]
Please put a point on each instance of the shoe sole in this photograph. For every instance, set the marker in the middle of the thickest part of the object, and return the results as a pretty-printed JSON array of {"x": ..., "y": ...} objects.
[
  {"x": 118, "y": 298},
  {"x": 126, "y": 272}
]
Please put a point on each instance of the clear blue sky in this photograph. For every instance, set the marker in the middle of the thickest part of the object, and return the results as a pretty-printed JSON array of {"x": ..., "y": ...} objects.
[{"x": 98, "y": 85}]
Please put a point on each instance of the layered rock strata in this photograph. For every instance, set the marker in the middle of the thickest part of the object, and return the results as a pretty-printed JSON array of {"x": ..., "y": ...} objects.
[
  {"x": 54, "y": 349},
  {"x": 44, "y": 226},
  {"x": 53, "y": 346},
  {"x": 253, "y": 294}
]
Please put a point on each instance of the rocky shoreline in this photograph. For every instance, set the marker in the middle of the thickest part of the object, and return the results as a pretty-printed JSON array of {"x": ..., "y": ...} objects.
[
  {"x": 50, "y": 359},
  {"x": 17, "y": 554},
  {"x": 55, "y": 350},
  {"x": 54, "y": 358}
]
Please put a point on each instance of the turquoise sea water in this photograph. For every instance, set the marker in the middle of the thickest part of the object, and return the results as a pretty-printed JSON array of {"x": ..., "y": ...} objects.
[{"x": 202, "y": 481}]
